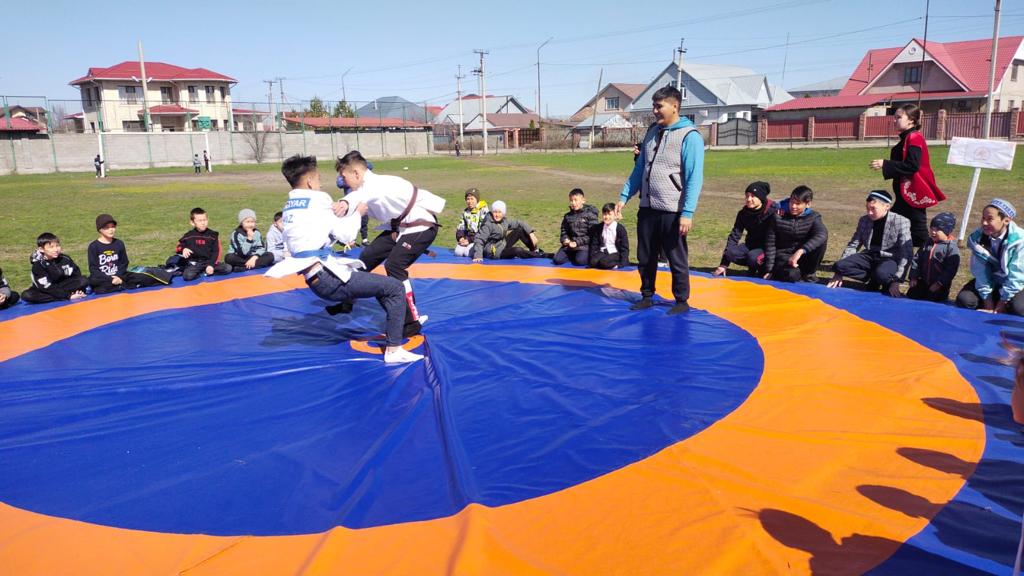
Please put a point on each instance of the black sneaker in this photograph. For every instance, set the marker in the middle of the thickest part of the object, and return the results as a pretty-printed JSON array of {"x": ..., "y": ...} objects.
[
  {"x": 339, "y": 308},
  {"x": 643, "y": 304},
  {"x": 679, "y": 308}
]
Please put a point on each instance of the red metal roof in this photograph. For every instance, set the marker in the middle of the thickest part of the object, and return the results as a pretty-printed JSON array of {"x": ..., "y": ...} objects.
[
  {"x": 247, "y": 112},
  {"x": 852, "y": 101},
  {"x": 354, "y": 122},
  {"x": 169, "y": 110},
  {"x": 18, "y": 125},
  {"x": 158, "y": 71},
  {"x": 967, "y": 61},
  {"x": 866, "y": 100},
  {"x": 513, "y": 120}
]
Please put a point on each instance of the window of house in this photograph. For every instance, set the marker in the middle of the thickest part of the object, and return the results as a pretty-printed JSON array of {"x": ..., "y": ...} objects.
[
  {"x": 611, "y": 103},
  {"x": 87, "y": 94},
  {"x": 961, "y": 106},
  {"x": 130, "y": 96},
  {"x": 213, "y": 124},
  {"x": 1012, "y": 104},
  {"x": 166, "y": 96},
  {"x": 192, "y": 94},
  {"x": 995, "y": 105},
  {"x": 98, "y": 94},
  {"x": 129, "y": 126},
  {"x": 92, "y": 126},
  {"x": 912, "y": 75},
  {"x": 223, "y": 92},
  {"x": 209, "y": 94},
  {"x": 1014, "y": 72}
]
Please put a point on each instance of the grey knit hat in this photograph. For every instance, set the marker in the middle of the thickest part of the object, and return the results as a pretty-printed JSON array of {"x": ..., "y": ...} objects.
[{"x": 246, "y": 213}]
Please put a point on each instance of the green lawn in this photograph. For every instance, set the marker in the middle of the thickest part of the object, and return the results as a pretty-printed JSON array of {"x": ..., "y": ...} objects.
[{"x": 152, "y": 205}]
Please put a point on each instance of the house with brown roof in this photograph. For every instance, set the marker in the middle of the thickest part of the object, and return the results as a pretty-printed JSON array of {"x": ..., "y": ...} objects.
[
  {"x": 614, "y": 98},
  {"x": 950, "y": 76},
  {"x": 177, "y": 99}
]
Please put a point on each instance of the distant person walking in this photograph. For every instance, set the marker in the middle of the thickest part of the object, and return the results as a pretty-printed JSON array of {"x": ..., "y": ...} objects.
[
  {"x": 206, "y": 160},
  {"x": 197, "y": 166},
  {"x": 97, "y": 163},
  {"x": 913, "y": 182}
]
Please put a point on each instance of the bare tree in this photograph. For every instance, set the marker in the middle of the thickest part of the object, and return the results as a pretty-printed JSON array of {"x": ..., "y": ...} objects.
[{"x": 257, "y": 141}]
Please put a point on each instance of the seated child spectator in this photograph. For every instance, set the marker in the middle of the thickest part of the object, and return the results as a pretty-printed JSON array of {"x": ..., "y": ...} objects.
[
  {"x": 275, "y": 238},
  {"x": 248, "y": 250},
  {"x": 997, "y": 262},
  {"x": 55, "y": 276},
  {"x": 575, "y": 235},
  {"x": 475, "y": 212},
  {"x": 609, "y": 243},
  {"x": 108, "y": 261},
  {"x": 936, "y": 263},
  {"x": 198, "y": 251},
  {"x": 887, "y": 247},
  {"x": 8, "y": 297},
  {"x": 753, "y": 219},
  {"x": 795, "y": 239},
  {"x": 497, "y": 237}
]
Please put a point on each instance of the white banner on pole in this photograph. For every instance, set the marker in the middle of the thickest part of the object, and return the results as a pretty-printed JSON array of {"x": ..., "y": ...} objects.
[{"x": 978, "y": 153}]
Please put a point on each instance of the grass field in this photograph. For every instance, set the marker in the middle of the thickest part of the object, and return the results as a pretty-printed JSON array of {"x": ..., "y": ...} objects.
[{"x": 152, "y": 206}]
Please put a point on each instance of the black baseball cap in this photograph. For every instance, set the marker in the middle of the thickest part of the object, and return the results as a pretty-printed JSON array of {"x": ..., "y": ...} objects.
[{"x": 103, "y": 219}]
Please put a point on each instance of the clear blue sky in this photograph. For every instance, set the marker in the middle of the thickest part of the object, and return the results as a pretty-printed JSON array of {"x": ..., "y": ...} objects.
[{"x": 412, "y": 49}]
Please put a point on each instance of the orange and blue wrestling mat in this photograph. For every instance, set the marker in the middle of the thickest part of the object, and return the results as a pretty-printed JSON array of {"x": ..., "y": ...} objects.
[{"x": 232, "y": 427}]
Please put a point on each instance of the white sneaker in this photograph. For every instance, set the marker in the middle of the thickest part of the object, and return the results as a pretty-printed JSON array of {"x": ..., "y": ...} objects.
[
  {"x": 423, "y": 319},
  {"x": 401, "y": 356}
]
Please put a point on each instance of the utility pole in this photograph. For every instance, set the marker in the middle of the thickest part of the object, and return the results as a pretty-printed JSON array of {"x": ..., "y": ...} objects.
[
  {"x": 593, "y": 118},
  {"x": 988, "y": 122},
  {"x": 270, "y": 98},
  {"x": 679, "y": 68},
  {"x": 280, "y": 105},
  {"x": 483, "y": 94},
  {"x": 145, "y": 86},
  {"x": 924, "y": 52},
  {"x": 344, "y": 95},
  {"x": 458, "y": 90},
  {"x": 785, "y": 60},
  {"x": 538, "y": 75}
]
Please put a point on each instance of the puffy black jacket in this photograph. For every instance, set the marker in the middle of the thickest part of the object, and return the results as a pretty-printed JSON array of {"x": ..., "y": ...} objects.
[
  {"x": 754, "y": 223},
  {"x": 576, "y": 225},
  {"x": 786, "y": 234}
]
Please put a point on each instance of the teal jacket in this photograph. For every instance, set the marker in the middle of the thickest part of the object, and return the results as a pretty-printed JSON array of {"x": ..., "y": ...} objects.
[
  {"x": 1003, "y": 272},
  {"x": 692, "y": 163}
]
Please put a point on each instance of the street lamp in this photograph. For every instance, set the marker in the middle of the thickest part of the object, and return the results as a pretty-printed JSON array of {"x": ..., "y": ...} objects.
[{"x": 538, "y": 74}]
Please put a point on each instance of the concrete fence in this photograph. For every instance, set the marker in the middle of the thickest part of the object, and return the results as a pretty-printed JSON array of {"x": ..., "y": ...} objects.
[{"x": 75, "y": 152}]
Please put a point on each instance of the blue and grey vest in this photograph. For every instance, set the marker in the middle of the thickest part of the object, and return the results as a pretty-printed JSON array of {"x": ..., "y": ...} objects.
[{"x": 663, "y": 180}]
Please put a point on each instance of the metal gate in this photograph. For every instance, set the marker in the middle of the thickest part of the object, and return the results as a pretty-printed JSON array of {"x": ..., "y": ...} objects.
[{"x": 737, "y": 132}]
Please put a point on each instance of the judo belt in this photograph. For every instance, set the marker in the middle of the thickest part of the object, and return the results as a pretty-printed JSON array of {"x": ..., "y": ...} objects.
[{"x": 397, "y": 224}]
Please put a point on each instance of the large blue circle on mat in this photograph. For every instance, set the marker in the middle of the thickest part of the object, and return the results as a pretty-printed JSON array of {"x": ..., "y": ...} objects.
[{"x": 255, "y": 416}]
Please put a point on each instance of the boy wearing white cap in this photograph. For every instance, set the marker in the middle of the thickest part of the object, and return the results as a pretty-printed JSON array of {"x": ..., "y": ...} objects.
[
  {"x": 498, "y": 235},
  {"x": 887, "y": 247},
  {"x": 997, "y": 262}
]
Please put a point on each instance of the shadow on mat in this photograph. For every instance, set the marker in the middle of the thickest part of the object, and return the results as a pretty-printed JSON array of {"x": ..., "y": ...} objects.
[
  {"x": 855, "y": 554},
  {"x": 319, "y": 329}
]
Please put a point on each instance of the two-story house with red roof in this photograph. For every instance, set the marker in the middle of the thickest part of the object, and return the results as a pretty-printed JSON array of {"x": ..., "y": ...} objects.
[
  {"x": 951, "y": 76},
  {"x": 176, "y": 98}
]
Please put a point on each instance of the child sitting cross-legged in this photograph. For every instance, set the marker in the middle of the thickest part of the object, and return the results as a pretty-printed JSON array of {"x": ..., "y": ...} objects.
[
  {"x": 108, "y": 261},
  {"x": 55, "y": 276},
  {"x": 198, "y": 250},
  {"x": 473, "y": 215},
  {"x": 575, "y": 233},
  {"x": 248, "y": 250},
  {"x": 997, "y": 262},
  {"x": 754, "y": 219}
]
